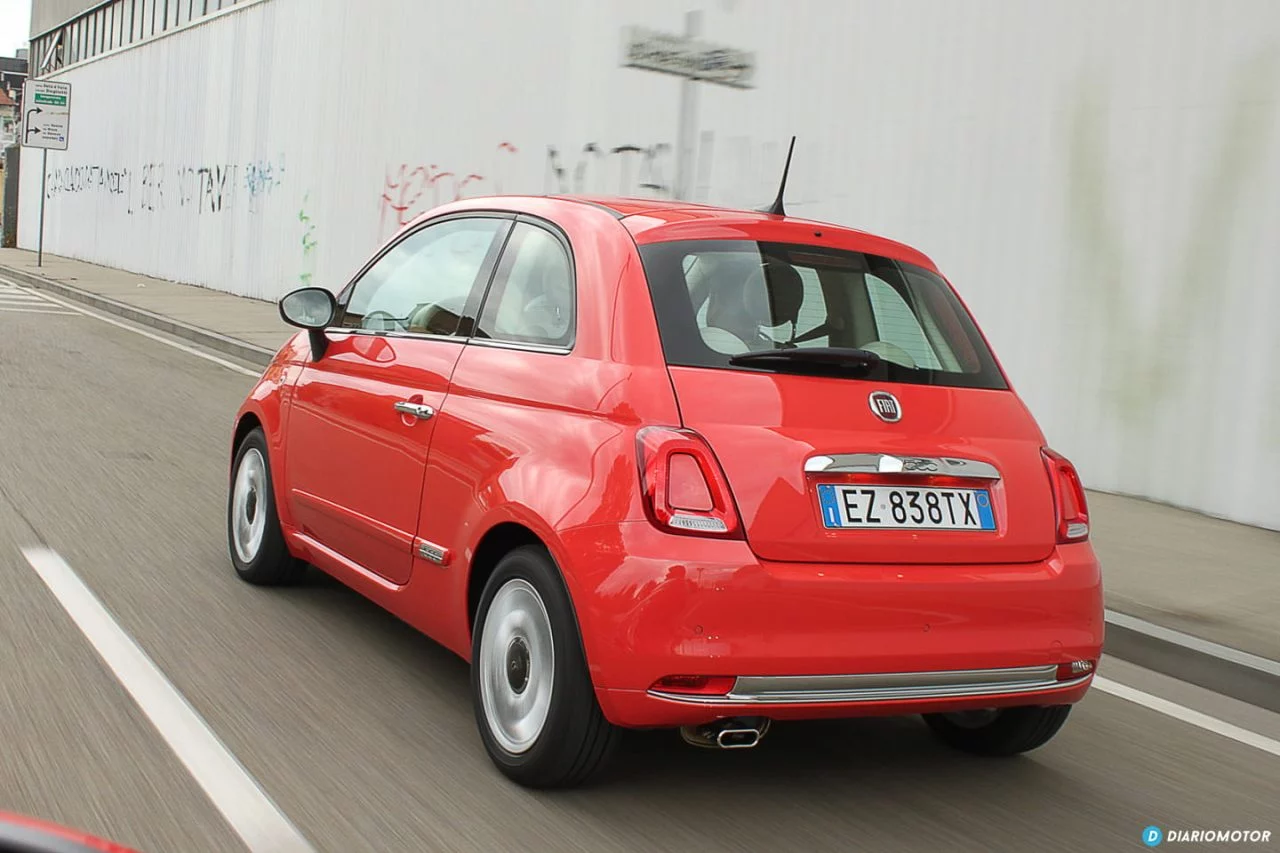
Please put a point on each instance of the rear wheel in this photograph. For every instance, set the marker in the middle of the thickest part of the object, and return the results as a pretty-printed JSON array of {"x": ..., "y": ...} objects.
[
  {"x": 254, "y": 538},
  {"x": 999, "y": 731},
  {"x": 534, "y": 701}
]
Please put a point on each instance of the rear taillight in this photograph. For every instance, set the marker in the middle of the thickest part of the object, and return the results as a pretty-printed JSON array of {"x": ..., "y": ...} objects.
[
  {"x": 1068, "y": 498},
  {"x": 685, "y": 491}
]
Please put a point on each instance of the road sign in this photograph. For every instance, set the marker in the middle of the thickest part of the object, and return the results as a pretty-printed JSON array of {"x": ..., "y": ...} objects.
[
  {"x": 687, "y": 57},
  {"x": 46, "y": 108}
]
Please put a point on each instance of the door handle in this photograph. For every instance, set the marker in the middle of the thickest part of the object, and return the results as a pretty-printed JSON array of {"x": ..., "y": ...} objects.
[{"x": 421, "y": 411}]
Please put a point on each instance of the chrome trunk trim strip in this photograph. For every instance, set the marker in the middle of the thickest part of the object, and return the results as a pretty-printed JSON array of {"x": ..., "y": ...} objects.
[{"x": 885, "y": 463}]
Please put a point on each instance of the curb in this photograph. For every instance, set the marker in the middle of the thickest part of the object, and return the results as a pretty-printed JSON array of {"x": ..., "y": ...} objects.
[
  {"x": 225, "y": 344},
  {"x": 1215, "y": 667},
  {"x": 1221, "y": 669}
]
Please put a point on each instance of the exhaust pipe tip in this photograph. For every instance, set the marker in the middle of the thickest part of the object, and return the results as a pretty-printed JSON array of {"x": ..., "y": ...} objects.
[
  {"x": 737, "y": 738},
  {"x": 734, "y": 733}
]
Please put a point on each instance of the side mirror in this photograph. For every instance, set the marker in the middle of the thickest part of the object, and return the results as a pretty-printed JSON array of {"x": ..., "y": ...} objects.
[{"x": 313, "y": 309}]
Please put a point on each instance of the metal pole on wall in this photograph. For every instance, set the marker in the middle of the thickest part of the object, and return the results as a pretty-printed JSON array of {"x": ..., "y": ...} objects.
[
  {"x": 688, "y": 127},
  {"x": 44, "y": 176}
]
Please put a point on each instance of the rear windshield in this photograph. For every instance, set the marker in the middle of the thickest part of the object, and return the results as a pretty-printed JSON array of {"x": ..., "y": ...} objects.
[{"x": 719, "y": 298}]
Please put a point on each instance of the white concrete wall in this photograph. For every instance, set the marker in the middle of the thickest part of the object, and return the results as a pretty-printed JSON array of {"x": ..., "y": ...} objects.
[{"x": 1099, "y": 178}]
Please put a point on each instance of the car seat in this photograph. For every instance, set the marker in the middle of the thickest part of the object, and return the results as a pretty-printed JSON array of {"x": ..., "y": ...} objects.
[{"x": 742, "y": 301}]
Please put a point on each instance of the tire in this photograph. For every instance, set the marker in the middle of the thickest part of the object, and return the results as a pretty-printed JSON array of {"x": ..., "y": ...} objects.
[
  {"x": 254, "y": 539},
  {"x": 1011, "y": 731},
  {"x": 526, "y": 648}
]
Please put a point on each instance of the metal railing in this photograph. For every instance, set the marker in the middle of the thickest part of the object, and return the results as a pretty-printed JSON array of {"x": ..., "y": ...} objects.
[{"x": 114, "y": 24}]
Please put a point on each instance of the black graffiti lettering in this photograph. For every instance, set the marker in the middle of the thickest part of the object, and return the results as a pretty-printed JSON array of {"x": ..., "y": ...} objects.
[
  {"x": 595, "y": 164},
  {"x": 208, "y": 188}
]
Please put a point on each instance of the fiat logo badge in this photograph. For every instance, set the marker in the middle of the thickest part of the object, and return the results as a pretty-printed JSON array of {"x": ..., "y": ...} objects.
[{"x": 885, "y": 406}]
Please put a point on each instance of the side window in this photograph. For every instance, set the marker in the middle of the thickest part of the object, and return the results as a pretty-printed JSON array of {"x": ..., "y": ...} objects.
[
  {"x": 897, "y": 326},
  {"x": 532, "y": 299},
  {"x": 422, "y": 283}
]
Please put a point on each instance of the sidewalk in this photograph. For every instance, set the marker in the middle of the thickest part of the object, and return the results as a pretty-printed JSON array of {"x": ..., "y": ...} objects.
[
  {"x": 252, "y": 329},
  {"x": 1200, "y": 576}
]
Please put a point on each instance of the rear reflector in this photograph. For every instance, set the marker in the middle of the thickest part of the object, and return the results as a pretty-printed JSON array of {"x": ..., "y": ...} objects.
[
  {"x": 695, "y": 685},
  {"x": 1074, "y": 669}
]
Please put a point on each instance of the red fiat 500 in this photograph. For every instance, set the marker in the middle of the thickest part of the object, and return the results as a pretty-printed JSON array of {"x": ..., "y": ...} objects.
[{"x": 649, "y": 464}]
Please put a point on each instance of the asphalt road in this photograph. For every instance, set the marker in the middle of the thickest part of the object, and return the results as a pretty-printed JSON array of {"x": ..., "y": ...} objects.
[{"x": 113, "y": 453}]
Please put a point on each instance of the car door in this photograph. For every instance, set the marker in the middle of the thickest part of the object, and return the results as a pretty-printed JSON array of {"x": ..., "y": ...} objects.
[{"x": 362, "y": 416}]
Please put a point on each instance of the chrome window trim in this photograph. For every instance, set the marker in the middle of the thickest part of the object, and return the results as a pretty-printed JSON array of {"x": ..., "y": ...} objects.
[
  {"x": 392, "y": 333},
  {"x": 458, "y": 339},
  {"x": 886, "y": 463},
  {"x": 519, "y": 345},
  {"x": 883, "y": 687}
]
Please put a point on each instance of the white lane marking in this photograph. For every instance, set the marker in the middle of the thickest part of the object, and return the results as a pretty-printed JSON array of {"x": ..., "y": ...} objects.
[
  {"x": 137, "y": 331},
  {"x": 1188, "y": 715},
  {"x": 1188, "y": 641},
  {"x": 20, "y": 299},
  {"x": 237, "y": 796},
  {"x": 9, "y": 310}
]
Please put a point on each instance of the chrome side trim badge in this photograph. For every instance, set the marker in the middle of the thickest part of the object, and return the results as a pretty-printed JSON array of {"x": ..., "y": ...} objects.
[{"x": 434, "y": 553}]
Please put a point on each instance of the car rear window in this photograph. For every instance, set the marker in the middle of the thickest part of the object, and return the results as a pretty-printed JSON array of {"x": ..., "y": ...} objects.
[{"x": 719, "y": 298}]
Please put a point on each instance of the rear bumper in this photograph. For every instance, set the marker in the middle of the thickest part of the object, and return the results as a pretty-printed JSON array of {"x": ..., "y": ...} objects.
[
  {"x": 812, "y": 640},
  {"x": 653, "y": 709}
]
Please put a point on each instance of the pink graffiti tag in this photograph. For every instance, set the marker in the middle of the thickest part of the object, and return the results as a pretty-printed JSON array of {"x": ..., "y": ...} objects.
[
  {"x": 401, "y": 194},
  {"x": 405, "y": 189}
]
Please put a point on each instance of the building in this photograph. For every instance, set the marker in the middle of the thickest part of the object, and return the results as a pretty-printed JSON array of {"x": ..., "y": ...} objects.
[
  {"x": 1100, "y": 180},
  {"x": 10, "y": 116},
  {"x": 13, "y": 73}
]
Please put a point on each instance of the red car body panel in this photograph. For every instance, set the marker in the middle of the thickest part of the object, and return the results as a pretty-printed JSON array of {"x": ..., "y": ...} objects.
[
  {"x": 342, "y": 409},
  {"x": 546, "y": 442},
  {"x": 786, "y": 419}
]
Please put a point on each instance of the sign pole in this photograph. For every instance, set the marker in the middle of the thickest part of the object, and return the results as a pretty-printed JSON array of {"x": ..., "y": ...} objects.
[
  {"x": 44, "y": 176},
  {"x": 46, "y": 125},
  {"x": 697, "y": 62},
  {"x": 687, "y": 128}
]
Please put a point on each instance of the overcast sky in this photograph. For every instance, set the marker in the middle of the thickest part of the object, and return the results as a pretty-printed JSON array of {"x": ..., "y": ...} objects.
[{"x": 15, "y": 25}]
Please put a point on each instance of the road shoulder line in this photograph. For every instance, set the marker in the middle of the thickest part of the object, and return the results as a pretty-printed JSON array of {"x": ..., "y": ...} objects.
[{"x": 234, "y": 793}]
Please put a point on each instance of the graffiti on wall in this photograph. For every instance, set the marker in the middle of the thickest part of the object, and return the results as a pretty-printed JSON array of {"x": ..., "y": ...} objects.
[
  {"x": 750, "y": 172},
  {"x": 411, "y": 189},
  {"x": 629, "y": 169},
  {"x": 309, "y": 243},
  {"x": 594, "y": 164},
  {"x": 209, "y": 188}
]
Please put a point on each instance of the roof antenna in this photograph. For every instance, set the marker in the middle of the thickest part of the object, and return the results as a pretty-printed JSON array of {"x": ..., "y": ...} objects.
[{"x": 775, "y": 209}]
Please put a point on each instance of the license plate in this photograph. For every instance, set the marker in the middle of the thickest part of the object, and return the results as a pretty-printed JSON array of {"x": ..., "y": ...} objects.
[{"x": 905, "y": 507}]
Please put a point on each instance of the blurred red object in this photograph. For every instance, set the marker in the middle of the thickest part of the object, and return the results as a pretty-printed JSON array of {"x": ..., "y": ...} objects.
[{"x": 19, "y": 834}]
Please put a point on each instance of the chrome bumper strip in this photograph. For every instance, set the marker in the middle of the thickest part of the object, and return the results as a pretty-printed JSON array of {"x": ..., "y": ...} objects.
[{"x": 883, "y": 687}]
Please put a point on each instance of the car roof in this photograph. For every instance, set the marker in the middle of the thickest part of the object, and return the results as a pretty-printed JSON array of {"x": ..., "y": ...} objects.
[{"x": 658, "y": 220}]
